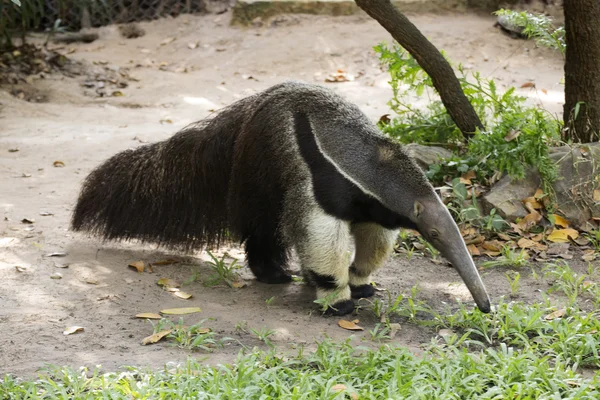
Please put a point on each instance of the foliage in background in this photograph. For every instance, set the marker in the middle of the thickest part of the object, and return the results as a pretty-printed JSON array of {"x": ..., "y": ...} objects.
[
  {"x": 538, "y": 27},
  {"x": 517, "y": 136}
]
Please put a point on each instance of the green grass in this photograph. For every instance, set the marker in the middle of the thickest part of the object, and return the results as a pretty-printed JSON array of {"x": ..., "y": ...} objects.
[{"x": 546, "y": 350}]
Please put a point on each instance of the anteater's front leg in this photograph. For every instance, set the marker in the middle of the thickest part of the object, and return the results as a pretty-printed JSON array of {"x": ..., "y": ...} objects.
[
  {"x": 373, "y": 244},
  {"x": 324, "y": 251}
]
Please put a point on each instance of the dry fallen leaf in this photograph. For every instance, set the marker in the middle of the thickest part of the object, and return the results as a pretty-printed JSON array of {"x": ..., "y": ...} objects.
[
  {"x": 148, "y": 315},
  {"x": 531, "y": 204},
  {"x": 555, "y": 314},
  {"x": 181, "y": 311},
  {"x": 394, "y": 328},
  {"x": 563, "y": 235},
  {"x": 137, "y": 265},
  {"x": 339, "y": 387},
  {"x": 349, "y": 325},
  {"x": 182, "y": 295},
  {"x": 493, "y": 245},
  {"x": 512, "y": 135},
  {"x": 596, "y": 195},
  {"x": 589, "y": 256},
  {"x": 529, "y": 221},
  {"x": 167, "y": 41},
  {"x": 560, "y": 221},
  {"x": 528, "y": 85},
  {"x": 20, "y": 269},
  {"x": 238, "y": 284},
  {"x": 473, "y": 250},
  {"x": 167, "y": 283},
  {"x": 56, "y": 254},
  {"x": 156, "y": 337},
  {"x": 73, "y": 329},
  {"x": 58, "y": 164},
  {"x": 526, "y": 243}
]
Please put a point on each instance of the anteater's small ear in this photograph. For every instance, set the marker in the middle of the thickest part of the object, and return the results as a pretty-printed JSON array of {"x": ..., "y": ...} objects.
[{"x": 418, "y": 208}]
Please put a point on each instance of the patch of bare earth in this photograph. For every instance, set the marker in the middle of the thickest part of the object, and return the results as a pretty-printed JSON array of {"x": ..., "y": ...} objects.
[{"x": 179, "y": 72}]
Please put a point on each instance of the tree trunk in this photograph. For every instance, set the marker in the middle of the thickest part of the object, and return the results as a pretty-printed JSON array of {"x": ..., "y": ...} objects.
[
  {"x": 430, "y": 59},
  {"x": 582, "y": 71}
]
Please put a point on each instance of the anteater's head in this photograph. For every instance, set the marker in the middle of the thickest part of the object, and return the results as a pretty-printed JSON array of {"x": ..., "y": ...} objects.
[{"x": 435, "y": 224}]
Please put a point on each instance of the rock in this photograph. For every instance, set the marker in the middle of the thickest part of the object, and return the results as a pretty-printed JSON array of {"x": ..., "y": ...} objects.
[
  {"x": 506, "y": 195},
  {"x": 426, "y": 155},
  {"x": 579, "y": 177}
]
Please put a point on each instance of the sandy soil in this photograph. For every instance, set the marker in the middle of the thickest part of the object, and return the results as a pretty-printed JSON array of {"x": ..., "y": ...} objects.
[{"x": 177, "y": 85}]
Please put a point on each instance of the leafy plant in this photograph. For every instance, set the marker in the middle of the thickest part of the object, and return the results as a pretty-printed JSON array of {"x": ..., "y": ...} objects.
[
  {"x": 517, "y": 136},
  {"x": 509, "y": 258},
  {"x": 223, "y": 272},
  {"x": 537, "y": 26},
  {"x": 263, "y": 335}
]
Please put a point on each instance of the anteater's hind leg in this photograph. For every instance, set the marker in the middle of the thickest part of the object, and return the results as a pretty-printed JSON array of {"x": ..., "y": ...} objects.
[
  {"x": 373, "y": 244},
  {"x": 267, "y": 258},
  {"x": 323, "y": 247}
]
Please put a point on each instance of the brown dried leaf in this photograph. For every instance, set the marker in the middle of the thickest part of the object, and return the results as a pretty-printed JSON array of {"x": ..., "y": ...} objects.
[
  {"x": 156, "y": 337},
  {"x": 544, "y": 91},
  {"x": 512, "y": 135},
  {"x": 473, "y": 250},
  {"x": 491, "y": 253},
  {"x": 539, "y": 194},
  {"x": 238, "y": 284},
  {"x": 529, "y": 221},
  {"x": 137, "y": 265},
  {"x": 349, "y": 325},
  {"x": 20, "y": 269},
  {"x": 596, "y": 195},
  {"x": 181, "y": 311},
  {"x": 538, "y": 237},
  {"x": 589, "y": 257},
  {"x": 560, "y": 221},
  {"x": 493, "y": 245},
  {"x": 531, "y": 204},
  {"x": 73, "y": 329},
  {"x": 182, "y": 295},
  {"x": 167, "y": 283},
  {"x": 528, "y": 85},
  {"x": 148, "y": 315},
  {"x": 167, "y": 41},
  {"x": 556, "y": 314},
  {"x": 339, "y": 387},
  {"x": 504, "y": 236},
  {"x": 58, "y": 164},
  {"x": 563, "y": 235},
  {"x": 526, "y": 243}
]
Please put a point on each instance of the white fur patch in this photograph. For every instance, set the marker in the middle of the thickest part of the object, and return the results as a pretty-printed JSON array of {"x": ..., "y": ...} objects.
[{"x": 373, "y": 244}]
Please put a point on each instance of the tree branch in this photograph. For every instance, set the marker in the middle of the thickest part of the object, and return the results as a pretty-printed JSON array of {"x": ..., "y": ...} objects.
[{"x": 430, "y": 59}]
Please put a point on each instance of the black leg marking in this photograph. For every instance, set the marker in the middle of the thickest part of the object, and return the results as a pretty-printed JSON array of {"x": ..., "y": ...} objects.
[
  {"x": 362, "y": 291},
  {"x": 343, "y": 307},
  {"x": 266, "y": 259},
  {"x": 321, "y": 281}
]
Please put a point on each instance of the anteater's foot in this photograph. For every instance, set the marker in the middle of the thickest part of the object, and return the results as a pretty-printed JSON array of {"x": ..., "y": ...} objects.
[
  {"x": 275, "y": 276},
  {"x": 362, "y": 291},
  {"x": 343, "y": 307}
]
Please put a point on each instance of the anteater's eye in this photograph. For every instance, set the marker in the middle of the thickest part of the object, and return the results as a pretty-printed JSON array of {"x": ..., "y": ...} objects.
[{"x": 434, "y": 233}]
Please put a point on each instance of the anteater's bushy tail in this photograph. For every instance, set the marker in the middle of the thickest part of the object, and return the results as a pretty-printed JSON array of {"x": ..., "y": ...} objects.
[{"x": 173, "y": 193}]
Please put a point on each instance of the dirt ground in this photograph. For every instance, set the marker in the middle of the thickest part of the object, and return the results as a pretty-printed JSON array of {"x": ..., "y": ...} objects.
[{"x": 183, "y": 69}]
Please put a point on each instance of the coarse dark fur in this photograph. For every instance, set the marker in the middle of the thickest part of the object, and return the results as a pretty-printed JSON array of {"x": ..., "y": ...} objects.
[{"x": 292, "y": 167}]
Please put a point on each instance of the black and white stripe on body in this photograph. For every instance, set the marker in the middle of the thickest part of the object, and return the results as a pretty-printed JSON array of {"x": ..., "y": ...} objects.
[{"x": 341, "y": 212}]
